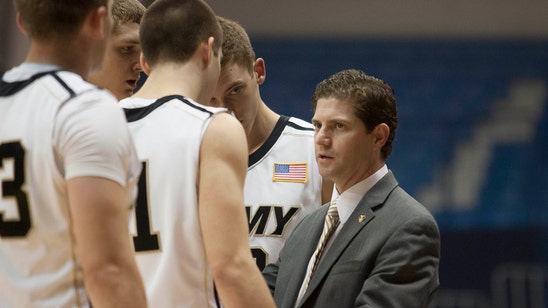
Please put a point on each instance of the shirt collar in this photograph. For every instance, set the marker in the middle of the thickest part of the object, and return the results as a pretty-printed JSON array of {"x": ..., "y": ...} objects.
[
  {"x": 26, "y": 70},
  {"x": 348, "y": 200},
  {"x": 41, "y": 67}
]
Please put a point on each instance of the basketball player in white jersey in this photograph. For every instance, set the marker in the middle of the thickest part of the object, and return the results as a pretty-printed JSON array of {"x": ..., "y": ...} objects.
[
  {"x": 190, "y": 230},
  {"x": 68, "y": 168},
  {"x": 283, "y": 183},
  {"x": 120, "y": 71}
]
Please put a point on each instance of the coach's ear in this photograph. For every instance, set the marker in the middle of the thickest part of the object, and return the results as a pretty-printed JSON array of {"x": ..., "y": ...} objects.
[
  {"x": 144, "y": 64},
  {"x": 381, "y": 133}
]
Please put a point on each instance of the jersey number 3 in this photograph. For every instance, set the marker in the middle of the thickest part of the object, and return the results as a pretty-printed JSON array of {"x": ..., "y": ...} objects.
[{"x": 12, "y": 187}]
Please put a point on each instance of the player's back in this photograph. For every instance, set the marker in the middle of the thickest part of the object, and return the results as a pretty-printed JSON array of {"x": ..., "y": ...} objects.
[
  {"x": 169, "y": 249},
  {"x": 38, "y": 265}
]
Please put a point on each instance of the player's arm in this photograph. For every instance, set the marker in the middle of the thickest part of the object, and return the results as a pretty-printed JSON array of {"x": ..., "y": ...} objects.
[
  {"x": 223, "y": 165},
  {"x": 97, "y": 159},
  {"x": 100, "y": 224}
]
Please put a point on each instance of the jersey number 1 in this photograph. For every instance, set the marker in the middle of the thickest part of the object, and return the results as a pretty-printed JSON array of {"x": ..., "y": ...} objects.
[
  {"x": 144, "y": 240},
  {"x": 13, "y": 188}
]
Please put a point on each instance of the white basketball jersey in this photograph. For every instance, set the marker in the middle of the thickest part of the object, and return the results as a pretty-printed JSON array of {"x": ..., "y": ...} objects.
[
  {"x": 282, "y": 186},
  {"x": 51, "y": 125},
  {"x": 167, "y": 236}
]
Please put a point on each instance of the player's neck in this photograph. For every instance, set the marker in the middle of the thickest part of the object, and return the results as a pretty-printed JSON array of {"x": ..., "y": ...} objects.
[
  {"x": 262, "y": 127},
  {"x": 168, "y": 79},
  {"x": 67, "y": 58}
]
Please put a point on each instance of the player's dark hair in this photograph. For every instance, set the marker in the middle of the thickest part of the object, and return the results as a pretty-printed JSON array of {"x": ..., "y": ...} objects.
[
  {"x": 55, "y": 19},
  {"x": 171, "y": 30}
]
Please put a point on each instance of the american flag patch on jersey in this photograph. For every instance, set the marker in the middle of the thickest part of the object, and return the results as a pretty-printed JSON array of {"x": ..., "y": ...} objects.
[{"x": 290, "y": 172}]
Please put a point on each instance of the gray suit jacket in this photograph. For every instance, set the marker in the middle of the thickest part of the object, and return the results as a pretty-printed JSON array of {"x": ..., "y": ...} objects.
[{"x": 387, "y": 258}]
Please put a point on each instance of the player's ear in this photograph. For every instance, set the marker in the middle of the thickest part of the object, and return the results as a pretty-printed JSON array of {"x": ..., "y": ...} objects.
[
  {"x": 97, "y": 23},
  {"x": 144, "y": 64},
  {"x": 207, "y": 51},
  {"x": 20, "y": 24},
  {"x": 260, "y": 70}
]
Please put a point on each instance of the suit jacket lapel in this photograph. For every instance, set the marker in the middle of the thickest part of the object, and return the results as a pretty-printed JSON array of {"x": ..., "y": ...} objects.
[
  {"x": 306, "y": 248},
  {"x": 359, "y": 218}
]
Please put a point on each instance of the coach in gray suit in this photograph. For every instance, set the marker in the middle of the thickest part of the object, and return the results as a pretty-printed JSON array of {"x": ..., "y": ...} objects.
[{"x": 373, "y": 245}]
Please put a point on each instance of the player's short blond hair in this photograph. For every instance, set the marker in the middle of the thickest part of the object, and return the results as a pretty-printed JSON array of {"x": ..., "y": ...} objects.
[
  {"x": 125, "y": 12},
  {"x": 237, "y": 47}
]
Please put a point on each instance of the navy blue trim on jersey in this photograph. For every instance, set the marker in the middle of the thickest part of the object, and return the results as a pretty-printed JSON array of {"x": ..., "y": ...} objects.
[
  {"x": 136, "y": 114},
  {"x": 254, "y": 157},
  {"x": 10, "y": 88},
  {"x": 62, "y": 82},
  {"x": 217, "y": 299},
  {"x": 297, "y": 126}
]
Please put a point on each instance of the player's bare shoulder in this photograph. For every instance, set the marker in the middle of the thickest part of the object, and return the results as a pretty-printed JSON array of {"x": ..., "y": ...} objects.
[{"x": 225, "y": 134}]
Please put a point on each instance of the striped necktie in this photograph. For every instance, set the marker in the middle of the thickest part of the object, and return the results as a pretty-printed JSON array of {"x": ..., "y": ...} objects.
[{"x": 329, "y": 227}]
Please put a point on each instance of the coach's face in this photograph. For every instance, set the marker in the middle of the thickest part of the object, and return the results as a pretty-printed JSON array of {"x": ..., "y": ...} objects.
[{"x": 345, "y": 152}]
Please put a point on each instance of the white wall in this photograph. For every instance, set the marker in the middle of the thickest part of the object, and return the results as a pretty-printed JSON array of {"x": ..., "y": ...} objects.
[{"x": 495, "y": 19}]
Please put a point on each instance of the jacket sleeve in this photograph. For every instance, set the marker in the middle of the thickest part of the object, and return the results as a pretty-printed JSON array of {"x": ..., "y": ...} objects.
[{"x": 270, "y": 273}]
